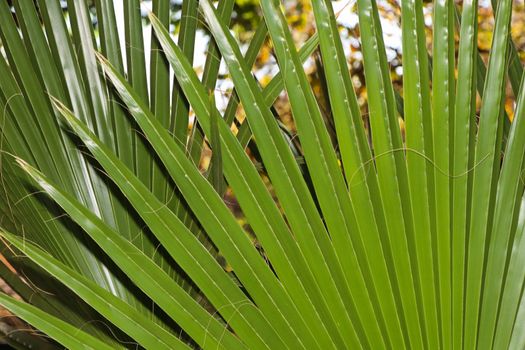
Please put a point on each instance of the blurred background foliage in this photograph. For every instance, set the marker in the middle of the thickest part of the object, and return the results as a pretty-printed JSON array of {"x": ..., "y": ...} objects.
[{"x": 247, "y": 16}]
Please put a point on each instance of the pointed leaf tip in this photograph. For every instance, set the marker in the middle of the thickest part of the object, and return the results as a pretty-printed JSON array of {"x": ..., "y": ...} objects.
[
  {"x": 59, "y": 105},
  {"x": 23, "y": 164},
  {"x": 152, "y": 17},
  {"x": 63, "y": 110},
  {"x": 102, "y": 60}
]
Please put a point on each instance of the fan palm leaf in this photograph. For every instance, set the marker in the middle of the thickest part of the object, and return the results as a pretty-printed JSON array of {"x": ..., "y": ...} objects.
[{"x": 117, "y": 237}]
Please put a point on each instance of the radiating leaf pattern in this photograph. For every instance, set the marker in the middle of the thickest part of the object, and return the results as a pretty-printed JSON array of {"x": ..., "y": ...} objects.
[{"x": 355, "y": 236}]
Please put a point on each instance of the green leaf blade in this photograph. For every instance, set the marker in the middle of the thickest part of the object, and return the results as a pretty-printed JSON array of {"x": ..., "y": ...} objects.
[{"x": 69, "y": 336}]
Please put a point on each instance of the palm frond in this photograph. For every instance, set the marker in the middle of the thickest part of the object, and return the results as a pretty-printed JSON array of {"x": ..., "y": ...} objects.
[{"x": 118, "y": 236}]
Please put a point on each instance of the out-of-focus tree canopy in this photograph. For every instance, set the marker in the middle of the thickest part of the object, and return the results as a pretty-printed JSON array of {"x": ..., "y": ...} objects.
[{"x": 246, "y": 17}]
